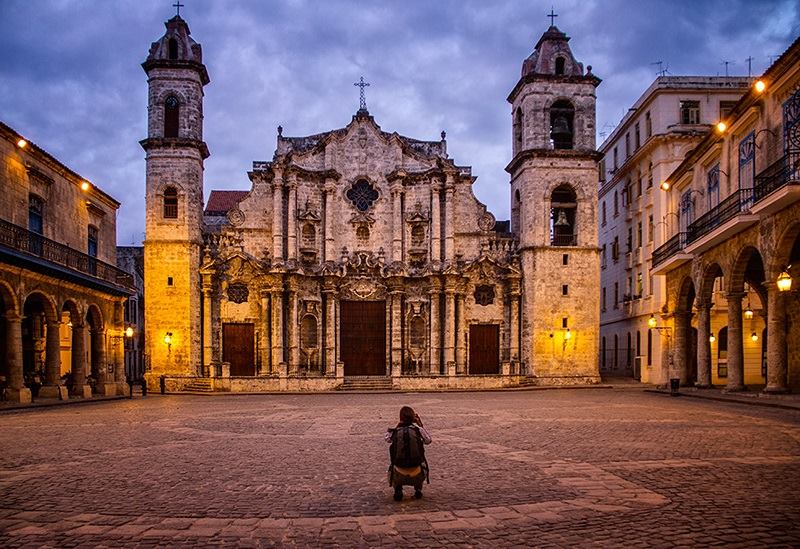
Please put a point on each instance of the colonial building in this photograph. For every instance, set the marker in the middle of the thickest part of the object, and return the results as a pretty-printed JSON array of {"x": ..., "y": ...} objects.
[
  {"x": 667, "y": 121},
  {"x": 61, "y": 295},
  {"x": 732, "y": 313},
  {"x": 363, "y": 254}
]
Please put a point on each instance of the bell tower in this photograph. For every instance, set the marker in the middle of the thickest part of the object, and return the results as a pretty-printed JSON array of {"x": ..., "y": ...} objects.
[
  {"x": 554, "y": 182},
  {"x": 175, "y": 153}
]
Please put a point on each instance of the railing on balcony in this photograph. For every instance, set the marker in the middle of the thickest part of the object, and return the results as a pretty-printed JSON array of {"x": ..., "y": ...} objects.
[
  {"x": 669, "y": 248},
  {"x": 726, "y": 210},
  {"x": 785, "y": 170},
  {"x": 564, "y": 240},
  {"x": 22, "y": 240}
]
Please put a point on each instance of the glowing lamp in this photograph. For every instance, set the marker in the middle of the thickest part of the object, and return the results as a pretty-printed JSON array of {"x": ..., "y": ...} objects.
[
  {"x": 748, "y": 313},
  {"x": 754, "y": 337},
  {"x": 721, "y": 126},
  {"x": 784, "y": 282},
  {"x": 128, "y": 332},
  {"x": 664, "y": 185},
  {"x": 85, "y": 185},
  {"x": 760, "y": 86},
  {"x": 567, "y": 334},
  {"x": 21, "y": 143},
  {"x": 711, "y": 338},
  {"x": 651, "y": 321},
  {"x": 168, "y": 338}
]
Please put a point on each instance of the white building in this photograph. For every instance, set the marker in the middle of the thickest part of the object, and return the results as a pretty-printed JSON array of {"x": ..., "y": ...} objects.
[{"x": 666, "y": 122}]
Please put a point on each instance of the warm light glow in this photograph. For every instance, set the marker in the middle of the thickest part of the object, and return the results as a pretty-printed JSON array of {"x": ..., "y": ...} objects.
[
  {"x": 711, "y": 338},
  {"x": 665, "y": 185},
  {"x": 85, "y": 185},
  {"x": 721, "y": 126},
  {"x": 760, "y": 86},
  {"x": 784, "y": 282},
  {"x": 652, "y": 321},
  {"x": 22, "y": 143},
  {"x": 754, "y": 336},
  {"x": 168, "y": 338},
  {"x": 748, "y": 313},
  {"x": 567, "y": 334},
  {"x": 128, "y": 332}
]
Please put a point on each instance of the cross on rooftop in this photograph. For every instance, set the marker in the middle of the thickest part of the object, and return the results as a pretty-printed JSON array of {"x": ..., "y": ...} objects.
[
  {"x": 178, "y": 5},
  {"x": 552, "y": 15},
  {"x": 362, "y": 98}
]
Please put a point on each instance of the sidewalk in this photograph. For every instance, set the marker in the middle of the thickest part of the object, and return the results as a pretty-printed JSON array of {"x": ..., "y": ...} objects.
[
  {"x": 753, "y": 396},
  {"x": 50, "y": 402}
]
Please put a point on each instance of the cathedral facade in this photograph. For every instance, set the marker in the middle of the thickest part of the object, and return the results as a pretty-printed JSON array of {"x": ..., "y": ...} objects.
[{"x": 361, "y": 258}]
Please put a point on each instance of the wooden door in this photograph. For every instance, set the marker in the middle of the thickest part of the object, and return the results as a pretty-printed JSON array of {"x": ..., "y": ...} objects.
[
  {"x": 363, "y": 337},
  {"x": 484, "y": 349},
  {"x": 238, "y": 348}
]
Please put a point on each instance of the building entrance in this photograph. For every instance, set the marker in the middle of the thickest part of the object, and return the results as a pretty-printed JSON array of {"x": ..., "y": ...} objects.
[
  {"x": 484, "y": 349},
  {"x": 238, "y": 348},
  {"x": 363, "y": 337}
]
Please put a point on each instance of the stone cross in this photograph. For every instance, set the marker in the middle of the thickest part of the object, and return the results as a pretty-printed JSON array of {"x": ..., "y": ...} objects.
[
  {"x": 178, "y": 5},
  {"x": 552, "y": 15},
  {"x": 362, "y": 98}
]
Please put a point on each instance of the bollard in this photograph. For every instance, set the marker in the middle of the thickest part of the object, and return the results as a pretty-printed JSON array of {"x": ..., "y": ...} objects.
[
  {"x": 163, "y": 383},
  {"x": 144, "y": 387},
  {"x": 674, "y": 385},
  {"x": 130, "y": 388}
]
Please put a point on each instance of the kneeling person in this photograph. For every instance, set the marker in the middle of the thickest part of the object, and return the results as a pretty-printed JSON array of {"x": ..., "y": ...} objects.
[{"x": 407, "y": 453}]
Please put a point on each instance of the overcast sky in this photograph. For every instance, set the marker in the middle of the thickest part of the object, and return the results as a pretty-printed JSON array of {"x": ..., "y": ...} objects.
[{"x": 71, "y": 80}]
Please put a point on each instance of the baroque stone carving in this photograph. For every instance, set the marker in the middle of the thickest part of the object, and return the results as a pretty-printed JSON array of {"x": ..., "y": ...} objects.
[
  {"x": 235, "y": 217},
  {"x": 238, "y": 292},
  {"x": 484, "y": 295},
  {"x": 486, "y": 222}
]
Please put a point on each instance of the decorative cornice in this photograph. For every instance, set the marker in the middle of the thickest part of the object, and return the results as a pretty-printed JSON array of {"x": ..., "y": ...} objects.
[
  {"x": 175, "y": 143},
  {"x": 572, "y": 154}
]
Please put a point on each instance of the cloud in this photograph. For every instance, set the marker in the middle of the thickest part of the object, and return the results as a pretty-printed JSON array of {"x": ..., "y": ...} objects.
[{"x": 70, "y": 75}]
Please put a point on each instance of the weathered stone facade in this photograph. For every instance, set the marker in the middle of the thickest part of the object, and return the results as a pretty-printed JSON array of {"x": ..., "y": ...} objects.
[
  {"x": 726, "y": 319},
  {"x": 61, "y": 296},
  {"x": 363, "y": 253}
]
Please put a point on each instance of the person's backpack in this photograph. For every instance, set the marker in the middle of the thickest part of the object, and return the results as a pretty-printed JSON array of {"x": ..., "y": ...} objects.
[{"x": 407, "y": 448}]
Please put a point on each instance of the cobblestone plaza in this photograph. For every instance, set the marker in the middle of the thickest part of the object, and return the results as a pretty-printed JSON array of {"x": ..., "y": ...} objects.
[{"x": 571, "y": 467}]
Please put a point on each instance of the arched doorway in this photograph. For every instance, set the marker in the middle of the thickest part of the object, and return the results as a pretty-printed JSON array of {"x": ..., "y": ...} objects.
[
  {"x": 783, "y": 320},
  {"x": 97, "y": 350},
  {"x": 747, "y": 299},
  {"x": 684, "y": 344},
  {"x": 40, "y": 344},
  {"x": 710, "y": 299}
]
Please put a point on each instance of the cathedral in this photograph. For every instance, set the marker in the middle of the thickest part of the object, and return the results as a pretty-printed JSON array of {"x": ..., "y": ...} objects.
[{"x": 360, "y": 258}]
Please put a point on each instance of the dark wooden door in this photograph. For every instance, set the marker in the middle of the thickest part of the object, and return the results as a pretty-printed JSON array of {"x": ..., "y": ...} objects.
[
  {"x": 484, "y": 349},
  {"x": 363, "y": 337},
  {"x": 238, "y": 348}
]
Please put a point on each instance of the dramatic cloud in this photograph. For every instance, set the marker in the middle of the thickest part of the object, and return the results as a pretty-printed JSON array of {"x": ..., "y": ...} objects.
[{"x": 70, "y": 78}]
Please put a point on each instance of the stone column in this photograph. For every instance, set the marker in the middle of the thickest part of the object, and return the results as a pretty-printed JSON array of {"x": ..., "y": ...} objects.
[
  {"x": 735, "y": 343},
  {"x": 293, "y": 333},
  {"x": 461, "y": 328},
  {"x": 703, "y": 344},
  {"x": 276, "y": 298},
  {"x": 397, "y": 333},
  {"x": 449, "y": 328},
  {"x": 449, "y": 220},
  {"x": 435, "y": 329},
  {"x": 277, "y": 217},
  {"x": 436, "y": 229},
  {"x": 681, "y": 346},
  {"x": 79, "y": 360},
  {"x": 119, "y": 353},
  {"x": 292, "y": 221},
  {"x": 664, "y": 340},
  {"x": 514, "y": 332},
  {"x": 777, "y": 362},
  {"x": 104, "y": 385},
  {"x": 397, "y": 224},
  {"x": 52, "y": 364},
  {"x": 330, "y": 252},
  {"x": 16, "y": 390},
  {"x": 209, "y": 366},
  {"x": 330, "y": 332},
  {"x": 266, "y": 355}
]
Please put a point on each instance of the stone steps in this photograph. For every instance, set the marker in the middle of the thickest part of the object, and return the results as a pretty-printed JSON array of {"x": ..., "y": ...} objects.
[
  {"x": 366, "y": 384},
  {"x": 199, "y": 385}
]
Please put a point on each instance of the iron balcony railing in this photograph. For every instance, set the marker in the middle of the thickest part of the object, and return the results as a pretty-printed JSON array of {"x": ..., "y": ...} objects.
[
  {"x": 22, "y": 240},
  {"x": 739, "y": 201},
  {"x": 781, "y": 173},
  {"x": 563, "y": 240},
  {"x": 669, "y": 248}
]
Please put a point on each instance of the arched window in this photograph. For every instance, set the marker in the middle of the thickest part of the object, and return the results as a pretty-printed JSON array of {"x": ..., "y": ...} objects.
[
  {"x": 561, "y": 124},
  {"x": 171, "y": 116},
  {"x": 560, "y": 65},
  {"x": 309, "y": 236},
  {"x": 308, "y": 332},
  {"x": 173, "y": 48},
  {"x": 518, "y": 129},
  {"x": 563, "y": 205},
  {"x": 170, "y": 203},
  {"x": 722, "y": 352}
]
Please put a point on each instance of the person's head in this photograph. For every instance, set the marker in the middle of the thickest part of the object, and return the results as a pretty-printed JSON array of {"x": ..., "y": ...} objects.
[{"x": 407, "y": 415}]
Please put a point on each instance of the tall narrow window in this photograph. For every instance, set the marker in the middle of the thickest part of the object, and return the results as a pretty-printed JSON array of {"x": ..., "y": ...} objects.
[
  {"x": 649, "y": 347},
  {"x": 712, "y": 191},
  {"x": 561, "y": 124},
  {"x": 91, "y": 244},
  {"x": 686, "y": 211},
  {"x": 616, "y": 204},
  {"x": 651, "y": 228},
  {"x": 627, "y": 145},
  {"x": 518, "y": 129},
  {"x": 170, "y": 203},
  {"x": 690, "y": 112},
  {"x": 603, "y": 212},
  {"x": 559, "y": 65},
  {"x": 637, "y": 138},
  {"x": 35, "y": 214},
  {"x": 563, "y": 205},
  {"x": 747, "y": 164},
  {"x": 173, "y": 49},
  {"x": 648, "y": 125},
  {"x": 171, "y": 116}
]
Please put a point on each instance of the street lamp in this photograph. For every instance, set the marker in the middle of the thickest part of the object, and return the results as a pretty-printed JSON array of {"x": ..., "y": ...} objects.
[
  {"x": 129, "y": 332},
  {"x": 652, "y": 321},
  {"x": 784, "y": 281},
  {"x": 712, "y": 338},
  {"x": 754, "y": 337},
  {"x": 748, "y": 312},
  {"x": 760, "y": 86}
]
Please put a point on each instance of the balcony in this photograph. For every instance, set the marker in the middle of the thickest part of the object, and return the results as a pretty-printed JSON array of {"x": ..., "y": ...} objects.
[
  {"x": 729, "y": 217},
  {"x": 564, "y": 240},
  {"x": 670, "y": 254},
  {"x": 778, "y": 186},
  {"x": 38, "y": 253}
]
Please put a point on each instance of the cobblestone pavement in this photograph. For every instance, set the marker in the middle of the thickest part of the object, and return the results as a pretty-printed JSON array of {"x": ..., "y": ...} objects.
[{"x": 560, "y": 468}]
